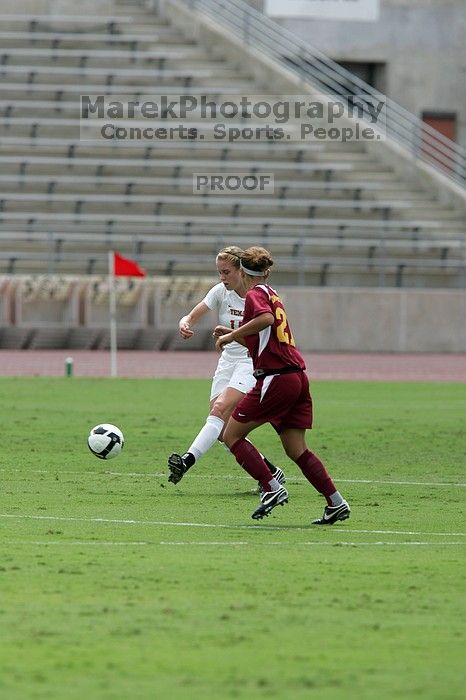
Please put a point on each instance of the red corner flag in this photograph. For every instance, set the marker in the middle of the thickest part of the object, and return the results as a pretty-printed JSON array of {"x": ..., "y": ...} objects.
[{"x": 125, "y": 267}]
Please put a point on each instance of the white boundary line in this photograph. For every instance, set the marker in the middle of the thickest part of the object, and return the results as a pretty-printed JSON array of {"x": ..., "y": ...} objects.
[
  {"x": 319, "y": 544},
  {"x": 75, "y": 542},
  {"x": 256, "y": 528},
  {"x": 340, "y": 543},
  {"x": 232, "y": 477}
]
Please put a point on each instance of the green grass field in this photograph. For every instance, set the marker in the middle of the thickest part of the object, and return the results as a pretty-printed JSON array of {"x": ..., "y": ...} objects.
[{"x": 115, "y": 584}]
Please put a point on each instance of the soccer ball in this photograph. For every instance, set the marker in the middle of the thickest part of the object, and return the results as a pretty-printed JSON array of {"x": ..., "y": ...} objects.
[{"x": 106, "y": 441}]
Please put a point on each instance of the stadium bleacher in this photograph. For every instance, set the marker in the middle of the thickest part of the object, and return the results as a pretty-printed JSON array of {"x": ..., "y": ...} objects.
[{"x": 337, "y": 211}]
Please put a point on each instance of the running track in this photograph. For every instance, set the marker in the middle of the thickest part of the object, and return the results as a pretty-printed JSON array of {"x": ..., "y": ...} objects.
[{"x": 325, "y": 366}]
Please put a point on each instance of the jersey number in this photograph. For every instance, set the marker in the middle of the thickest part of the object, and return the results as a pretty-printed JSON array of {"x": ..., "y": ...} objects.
[{"x": 283, "y": 335}]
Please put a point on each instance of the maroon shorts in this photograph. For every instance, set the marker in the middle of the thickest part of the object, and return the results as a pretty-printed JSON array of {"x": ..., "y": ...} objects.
[{"x": 283, "y": 400}]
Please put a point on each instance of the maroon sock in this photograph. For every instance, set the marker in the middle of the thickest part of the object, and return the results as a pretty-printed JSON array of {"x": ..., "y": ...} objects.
[
  {"x": 249, "y": 458},
  {"x": 316, "y": 474}
]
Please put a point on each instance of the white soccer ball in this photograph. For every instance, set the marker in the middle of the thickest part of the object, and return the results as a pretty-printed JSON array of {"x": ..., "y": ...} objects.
[{"x": 106, "y": 441}]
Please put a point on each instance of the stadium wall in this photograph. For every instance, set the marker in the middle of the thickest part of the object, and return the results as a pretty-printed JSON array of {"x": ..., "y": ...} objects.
[
  {"x": 377, "y": 320},
  {"x": 84, "y": 8},
  {"x": 417, "y": 47},
  {"x": 267, "y": 72},
  {"x": 73, "y": 312}
]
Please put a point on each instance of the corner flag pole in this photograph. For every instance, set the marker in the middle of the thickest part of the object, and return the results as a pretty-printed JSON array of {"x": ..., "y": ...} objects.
[
  {"x": 118, "y": 266},
  {"x": 113, "y": 321}
]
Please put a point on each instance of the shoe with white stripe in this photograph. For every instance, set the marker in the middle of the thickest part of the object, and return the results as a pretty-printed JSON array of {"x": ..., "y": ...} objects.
[
  {"x": 333, "y": 513},
  {"x": 270, "y": 499}
]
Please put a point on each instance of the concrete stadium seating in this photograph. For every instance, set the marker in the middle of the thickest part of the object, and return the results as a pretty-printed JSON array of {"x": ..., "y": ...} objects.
[{"x": 336, "y": 210}]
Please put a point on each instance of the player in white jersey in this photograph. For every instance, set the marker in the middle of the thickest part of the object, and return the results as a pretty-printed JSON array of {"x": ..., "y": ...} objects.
[{"x": 233, "y": 377}]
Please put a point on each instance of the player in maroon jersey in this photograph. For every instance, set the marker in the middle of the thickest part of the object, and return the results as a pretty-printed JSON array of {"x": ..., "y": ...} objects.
[{"x": 280, "y": 397}]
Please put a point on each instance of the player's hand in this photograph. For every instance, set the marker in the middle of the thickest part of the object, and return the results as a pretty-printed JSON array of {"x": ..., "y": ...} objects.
[
  {"x": 185, "y": 329},
  {"x": 223, "y": 340},
  {"x": 220, "y": 330}
]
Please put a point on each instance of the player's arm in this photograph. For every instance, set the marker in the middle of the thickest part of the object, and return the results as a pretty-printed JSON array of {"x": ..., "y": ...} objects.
[
  {"x": 252, "y": 327},
  {"x": 185, "y": 324}
]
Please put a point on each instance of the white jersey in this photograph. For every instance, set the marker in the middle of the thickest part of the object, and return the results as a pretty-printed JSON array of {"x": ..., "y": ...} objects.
[{"x": 230, "y": 308}]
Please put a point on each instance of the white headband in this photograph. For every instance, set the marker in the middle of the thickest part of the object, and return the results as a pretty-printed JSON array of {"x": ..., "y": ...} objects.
[{"x": 253, "y": 273}]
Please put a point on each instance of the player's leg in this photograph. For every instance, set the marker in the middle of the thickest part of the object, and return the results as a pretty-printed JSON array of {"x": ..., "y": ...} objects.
[
  {"x": 221, "y": 408},
  {"x": 223, "y": 399},
  {"x": 243, "y": 381},
  {"x": 248, "y": 456},
  {"x": 251, "y": 460},
  {"x": 271, "y": 398},
  {"x": 230, "y": 383},
  {"x": 294, "y": 443},
  {"x": 178, "y": 464}
]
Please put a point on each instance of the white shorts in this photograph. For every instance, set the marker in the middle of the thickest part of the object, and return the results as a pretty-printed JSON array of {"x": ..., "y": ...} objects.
[{"x": 235, "y": 374}]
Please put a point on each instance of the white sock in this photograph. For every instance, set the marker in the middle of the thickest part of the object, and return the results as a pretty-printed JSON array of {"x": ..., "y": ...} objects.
[
  {"x": 274, "y": 485},
  {"x": 336, "y": 498},
  {"x": 207, "y": 436}
]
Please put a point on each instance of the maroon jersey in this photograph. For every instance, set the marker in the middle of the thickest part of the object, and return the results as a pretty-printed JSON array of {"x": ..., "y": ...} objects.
[{"x": 274, "y": 347}]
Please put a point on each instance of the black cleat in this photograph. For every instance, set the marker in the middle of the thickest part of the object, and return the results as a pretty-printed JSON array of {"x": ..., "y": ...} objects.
[
  {"x": 333, "y": 513},
  {"x": 177, "y": 467},
  {"x": 270, "y": 499}
]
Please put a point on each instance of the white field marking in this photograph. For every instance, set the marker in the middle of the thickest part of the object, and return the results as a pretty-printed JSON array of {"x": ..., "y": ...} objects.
[
  {"x": 257, "y": 528},
  {"x": 216, "y": 544},
  {"x": 341, "y": 543},
  {"x": 233, "y": 477},
  {"x": 399, "y": 483},
  {"x": 77, "y": 542},
  {"x": 319, "y": 544}
]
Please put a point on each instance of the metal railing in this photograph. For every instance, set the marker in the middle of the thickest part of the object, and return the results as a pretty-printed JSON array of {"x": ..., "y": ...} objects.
[{"x": 254, "y": 28}]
